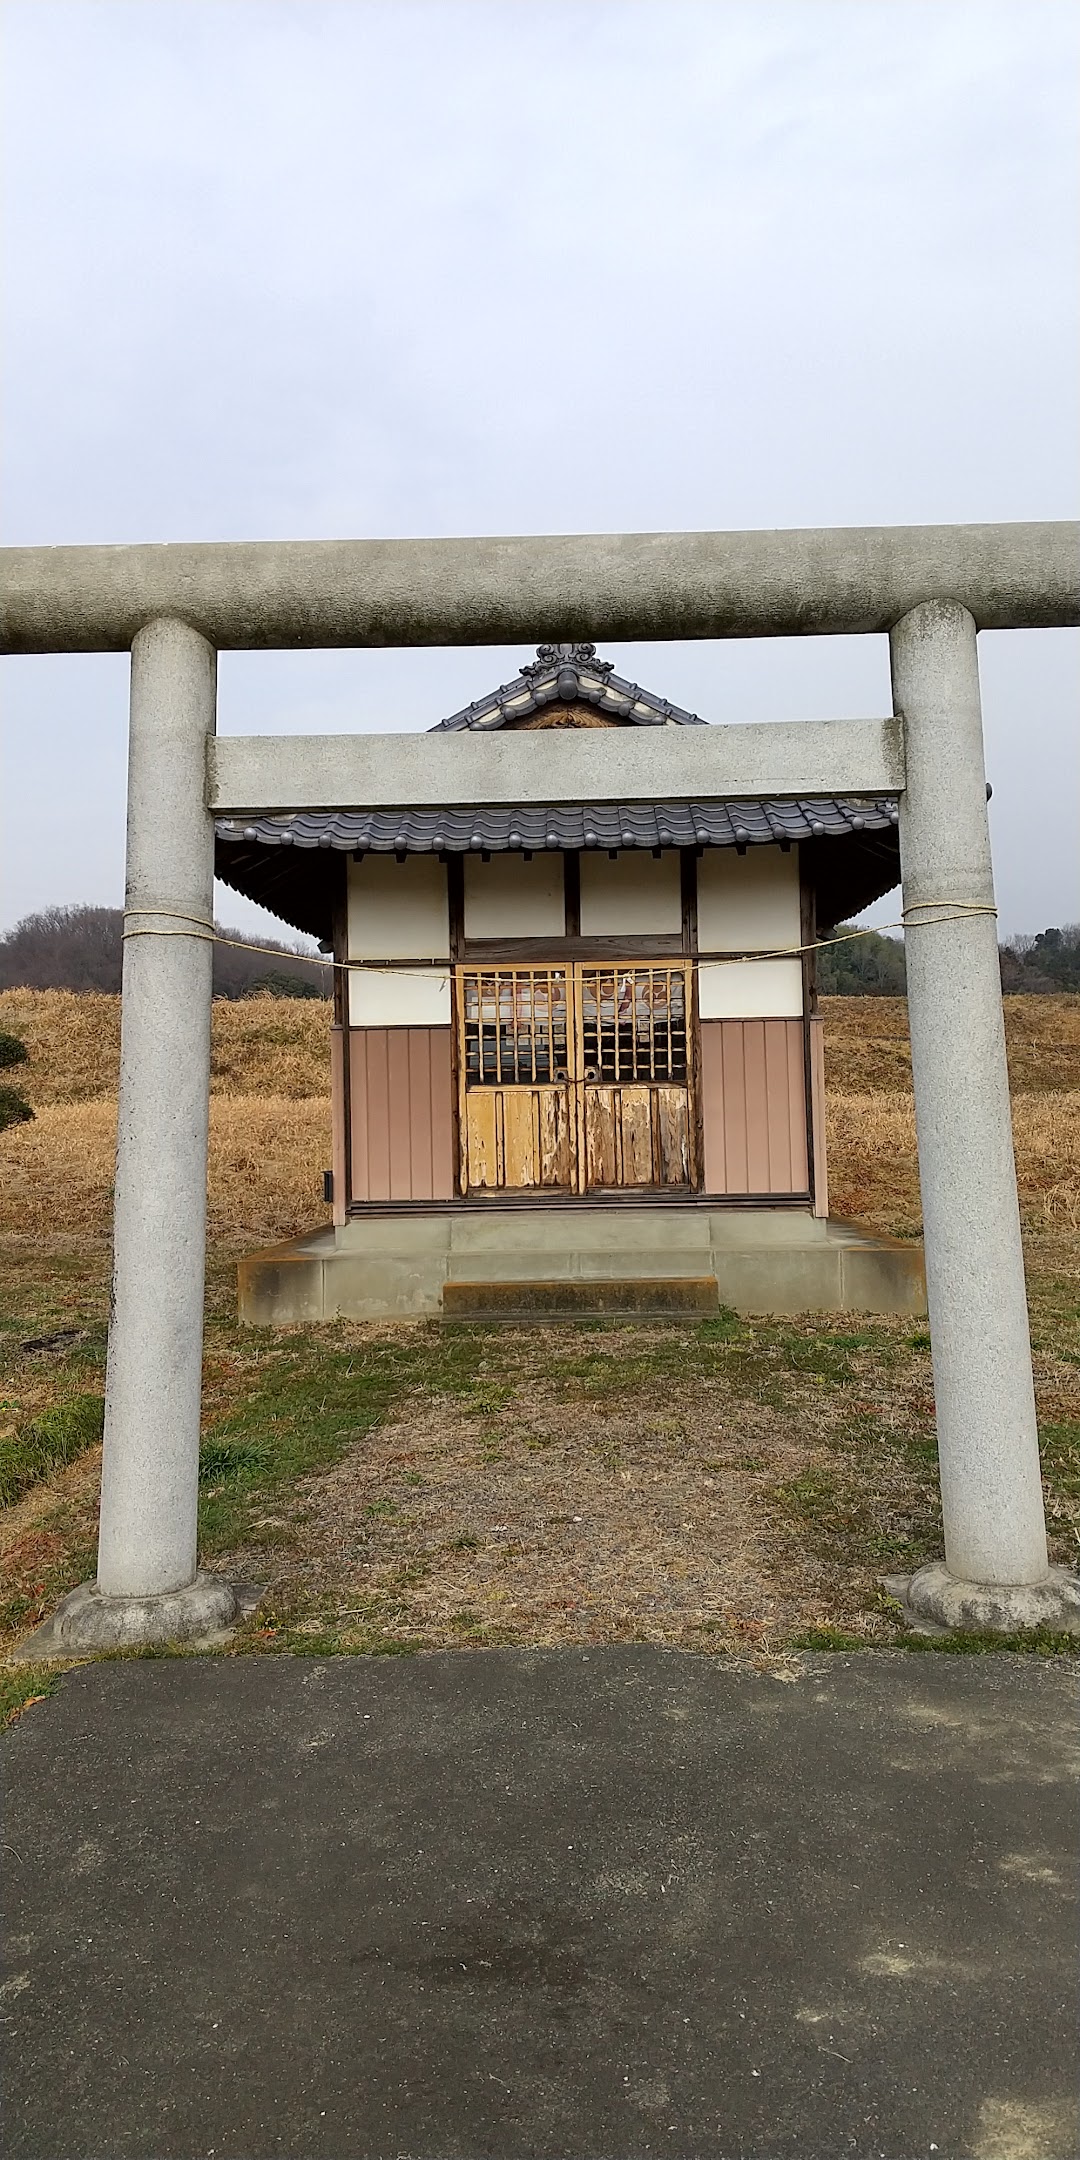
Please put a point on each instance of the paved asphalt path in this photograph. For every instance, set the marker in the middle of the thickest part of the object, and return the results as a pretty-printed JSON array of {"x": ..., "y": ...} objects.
[{"x": 612, "y": 1903}]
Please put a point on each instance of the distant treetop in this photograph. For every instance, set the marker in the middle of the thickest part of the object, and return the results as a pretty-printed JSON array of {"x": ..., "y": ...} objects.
[
  {"x": 81, "y": 948},
  {"x": 866, "y": 966},
  {"x": 873, "y": 966},
  {"x": 1048, "y": 961}
]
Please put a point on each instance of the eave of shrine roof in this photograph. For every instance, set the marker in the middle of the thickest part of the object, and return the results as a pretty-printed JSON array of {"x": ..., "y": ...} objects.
[{"x": 501, "y": 829}]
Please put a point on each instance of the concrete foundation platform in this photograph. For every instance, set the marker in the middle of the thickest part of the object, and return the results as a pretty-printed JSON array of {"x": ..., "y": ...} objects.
[{"x": 764, "y": 1260}]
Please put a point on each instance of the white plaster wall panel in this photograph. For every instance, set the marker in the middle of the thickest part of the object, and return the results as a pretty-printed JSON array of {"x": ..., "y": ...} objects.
[
  {"x": 632, "y": 896},
  {"x": 509, "y": 897},
  {"x": 398, "y": 911},
  {"x": 748, "y": 903},
  {"x": 383, "y": 998},
  {"x": 750, "y": 990}
]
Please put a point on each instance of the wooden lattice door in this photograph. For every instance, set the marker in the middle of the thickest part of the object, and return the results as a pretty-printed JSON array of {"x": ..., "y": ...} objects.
[
  {"x": 575, "y": 1078},
  {"x": 634, "y": 1064},
  {"x": 517, "y": 1122}
]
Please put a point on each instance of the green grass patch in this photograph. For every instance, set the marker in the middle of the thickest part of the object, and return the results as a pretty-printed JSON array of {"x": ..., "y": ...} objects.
[
  {"x": 47, "y": 1443},
  {"x": 725, "y": 1326},
  {"x": 812, "y": 1496},
  {"x": 868, "y": 1439},
  {"x": 827, "y": 1638},
  {"x": 818, "y": 1356},
  {"x": 231, "y": 1463},
  {"x": 21, "y": 1685},
  {"x": 901, "y": 1554},
  {"x": 480, "y": 1397},
  {"x": 1060, "y": 1447},
  {"x": 1029, "y": 1642},
  {"x": 13, "y": 1050},
  {"x": 334, "y": 1642},
  {"x": 313, "y": 1400},
  {"x": 858, "y": 1510},
  {"x": 14, "y": 1108},
  {"x": 346, "y": 1640},
  {"x": 758, "y": 1362}
]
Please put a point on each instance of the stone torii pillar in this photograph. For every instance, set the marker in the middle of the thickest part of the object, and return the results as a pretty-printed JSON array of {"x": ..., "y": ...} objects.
[
  {"x": 148, "y": 1589},
  {"x": 995, "y": 1573}
]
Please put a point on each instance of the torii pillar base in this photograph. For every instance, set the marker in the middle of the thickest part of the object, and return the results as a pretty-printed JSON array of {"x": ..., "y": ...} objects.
[
  {"x": 89, "y": 1621},
  {"x": 936, "y": 1599}
]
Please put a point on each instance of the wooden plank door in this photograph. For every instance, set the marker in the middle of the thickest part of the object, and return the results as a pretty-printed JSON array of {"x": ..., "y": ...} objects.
[
  {"x": 518, "y": 1125},
  {"x": 575, "y": 1079},
  {"x": 634, "y": 1066}
]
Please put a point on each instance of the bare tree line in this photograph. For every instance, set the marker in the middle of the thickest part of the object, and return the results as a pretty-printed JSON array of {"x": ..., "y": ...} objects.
[
  {"x": 81, "y": 948},
  {"x": 873, "y": 965}
]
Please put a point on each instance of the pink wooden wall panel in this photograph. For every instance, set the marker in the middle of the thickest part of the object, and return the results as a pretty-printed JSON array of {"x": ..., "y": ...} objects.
[
  {"x": 753, "y": 1101},
  {"x": 753, "y": 1111},
  {"x": 817, "y": 1096},
  {"x": 402, "y": 1122},
  {"x": 337, "y": 1124}
]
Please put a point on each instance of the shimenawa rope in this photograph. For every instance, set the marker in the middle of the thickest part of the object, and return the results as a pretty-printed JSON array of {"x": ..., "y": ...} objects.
[{"x": 197, "y": 926}]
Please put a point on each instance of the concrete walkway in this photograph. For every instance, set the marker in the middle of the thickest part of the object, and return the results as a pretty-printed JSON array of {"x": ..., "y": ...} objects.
[{"x": 612, "y": 1903}]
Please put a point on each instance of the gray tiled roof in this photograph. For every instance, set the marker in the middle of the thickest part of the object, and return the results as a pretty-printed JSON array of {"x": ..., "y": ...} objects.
[
  {"x": 498, "y": 830},
  {"x": 573, "y": 675}
]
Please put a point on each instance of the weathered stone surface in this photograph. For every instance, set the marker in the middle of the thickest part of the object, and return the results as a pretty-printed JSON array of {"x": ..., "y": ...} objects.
[
  {"x": 88, "y": 1620},
  {"x": 768, "y": 1260},
  {"x": 988, "y": 1448},
  {"x": 644, "y": 1297},
  {"x": 994, "y": 1608},
  {"x": 797, "y": 757},
  {"x": 498, "y": 591},
  {"x": 153, "y": 1383}
]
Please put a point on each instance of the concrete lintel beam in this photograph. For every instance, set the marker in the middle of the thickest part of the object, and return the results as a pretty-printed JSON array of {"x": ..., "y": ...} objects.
[
  {"x": 263, "y": 594},
  {"x": 339, "y": 772}
]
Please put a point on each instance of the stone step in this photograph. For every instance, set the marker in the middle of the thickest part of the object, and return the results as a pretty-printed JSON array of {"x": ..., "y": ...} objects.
[
  {"x": 667, "y": 1297},
  {"x": 579, "y": 1263}
]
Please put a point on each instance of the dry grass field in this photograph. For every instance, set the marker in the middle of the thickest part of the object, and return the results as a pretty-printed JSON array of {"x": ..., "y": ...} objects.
[
  {"x": 737, "y": 1485},
  {"x": 270, "y": 1120},
  {"x": 261, "y": 1045}
]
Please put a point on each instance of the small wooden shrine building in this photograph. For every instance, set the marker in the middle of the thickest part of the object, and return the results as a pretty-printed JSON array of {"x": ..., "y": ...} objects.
[{"x": 575, "y": 1044}]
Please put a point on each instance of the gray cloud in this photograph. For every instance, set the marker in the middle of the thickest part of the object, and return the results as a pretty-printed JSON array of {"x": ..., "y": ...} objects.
[{"x": 318, "y": 269}]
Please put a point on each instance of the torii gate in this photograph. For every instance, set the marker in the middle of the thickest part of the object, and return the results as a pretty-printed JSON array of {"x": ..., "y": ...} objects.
[{"x": 931, "y": 588}]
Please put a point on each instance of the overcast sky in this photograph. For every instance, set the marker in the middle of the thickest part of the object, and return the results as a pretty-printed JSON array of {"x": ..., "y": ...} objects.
[{"x": 280, "y": 268}]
